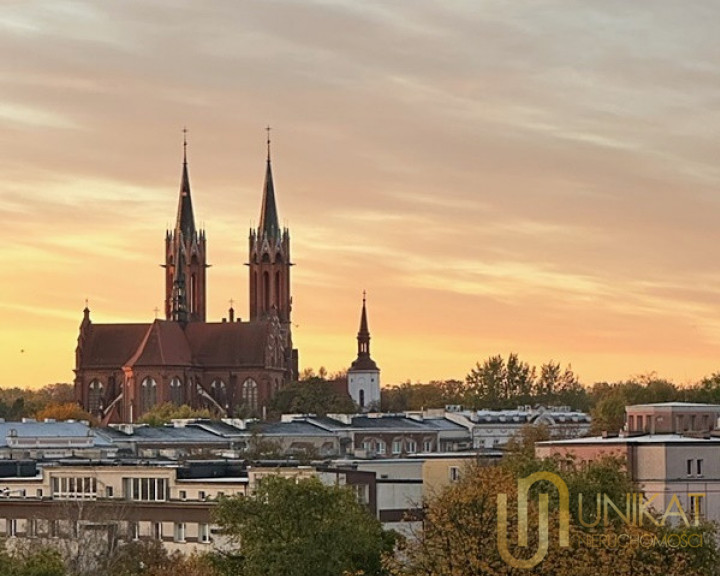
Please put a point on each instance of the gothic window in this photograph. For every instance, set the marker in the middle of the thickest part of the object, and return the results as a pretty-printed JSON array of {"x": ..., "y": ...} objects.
[
  {"x": 95, "y": 394},
  {"x": 176, "y": 391},
  {"x": 249, "y": 393},
  {"x": 218, "y": 391},
  {"x": 278, "y": 258},
  {"x": 148, "y": 394}
]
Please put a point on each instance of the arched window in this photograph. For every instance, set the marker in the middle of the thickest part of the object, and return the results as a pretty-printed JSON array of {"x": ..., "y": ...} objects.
[
  {"x": 95, "y": 396},
  {"x": 218, "y": 390},
  {"x": 176, "y": 391},
  {"x": 362, "y": 398},
  {"x": 148, "y": 394},
  {"x": 249, "y": 393}
]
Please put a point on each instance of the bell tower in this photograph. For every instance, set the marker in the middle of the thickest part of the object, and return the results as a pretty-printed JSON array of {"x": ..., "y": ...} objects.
[
  {"x": 185, "y": 259},
  {"x": 270, "y": 266}
]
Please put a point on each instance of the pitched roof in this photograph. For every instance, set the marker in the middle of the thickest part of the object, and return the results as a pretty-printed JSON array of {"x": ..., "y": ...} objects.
[
  {"x": 228, "y": 343},
  {"x": 164, "y": 344},
  {"x": 111, "y": 345}
]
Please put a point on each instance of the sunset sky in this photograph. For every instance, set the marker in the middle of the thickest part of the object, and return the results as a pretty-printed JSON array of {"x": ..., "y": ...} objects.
[{"x": 531, "y": 176}]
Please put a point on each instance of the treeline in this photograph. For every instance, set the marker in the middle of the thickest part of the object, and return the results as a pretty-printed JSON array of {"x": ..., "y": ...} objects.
[
  {"x": 499, "y": 383},
  {"x": 52, "y": 401}
]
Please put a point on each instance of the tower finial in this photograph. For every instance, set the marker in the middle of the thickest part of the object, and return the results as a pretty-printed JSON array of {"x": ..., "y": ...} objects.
[
  {"x": 364, "y": 295},
  {"x": 267, "y": 128},
  {"x": 185, "y": 131}
]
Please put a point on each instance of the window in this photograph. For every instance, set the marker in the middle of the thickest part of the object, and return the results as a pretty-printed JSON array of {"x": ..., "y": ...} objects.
[
  {"x": 397, "y": 447},
  {"x": 183, "y": 495},
  {"x": 204, "y": 533},
  {"x": 158, "y": 530},
  {"x": 133, "y": 531},
  {"x": 362, "y": 493},
  {"x": 39, "y": 493},
  {"x": 250, "y": 394},
  {"x": 368, "y": 445},
  {"x": 74, "y": 488},
  {"x": 179, "y": 532},
  {"x": 362, "y": 398},
  {"x": 427, "y": 446},
  {"x": 411, "y": 446},
  {"x": 454, "y": 473},
  {"x": 148, "y": 394},
  {"x": 145, "y": 489},
  {"x": 640, "y": 423},
  {"x": 31, "y": 528},
  {"x": 689, "y": 467},
  {"x": 95, "y": 394},
  {"x": 108, "y": 491},
  {"x": 176, "y": 391},
  {"x": 202, "y": 495},
  {"x": 11, "y": 527},
  {"x": 381, "y": 447},
  {"x": 54, "y": 529},
  {"x": 699, "y": 466}
]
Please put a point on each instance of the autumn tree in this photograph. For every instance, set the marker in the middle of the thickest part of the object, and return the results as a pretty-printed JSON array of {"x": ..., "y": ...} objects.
[
  {"x": 460, "y": 531},
  {"x": 300, "y": 528},
  {"x": 66, "y": 411},
  {"x": 162, "y": 414}
]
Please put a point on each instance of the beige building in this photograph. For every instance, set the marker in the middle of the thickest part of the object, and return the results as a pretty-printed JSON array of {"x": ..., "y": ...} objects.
[
  {"x": 671, "y": 418},
  {"x": 670, "y": 449}
]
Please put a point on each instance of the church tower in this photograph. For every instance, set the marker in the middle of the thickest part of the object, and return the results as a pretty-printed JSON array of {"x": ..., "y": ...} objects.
[
  {"x": 270, "y": 268},
  {"x": 364, "y": 375},
  {"x": 185, "y": 260}
]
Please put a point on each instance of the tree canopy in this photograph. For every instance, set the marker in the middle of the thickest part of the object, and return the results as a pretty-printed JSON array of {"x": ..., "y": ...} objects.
[{"x": 300, "y": 528}]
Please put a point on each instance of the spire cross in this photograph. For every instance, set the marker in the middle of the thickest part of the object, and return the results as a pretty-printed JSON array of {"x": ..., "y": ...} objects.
[
  {"x": 86, "y": 302},
  {"x": 267, "y": 128},
  {"x": 364, "y": 296},
  {"x": 231, "y": 302}
]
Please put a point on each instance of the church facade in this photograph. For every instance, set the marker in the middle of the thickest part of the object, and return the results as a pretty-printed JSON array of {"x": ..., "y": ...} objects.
[{"x": 231, "y": 367}]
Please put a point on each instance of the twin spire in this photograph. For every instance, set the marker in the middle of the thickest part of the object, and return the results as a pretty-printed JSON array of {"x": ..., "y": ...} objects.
[
  {"x": 185, "y": 217},
  {"x": 182, "y": 288},
  {"x": 269, "y": 224}
]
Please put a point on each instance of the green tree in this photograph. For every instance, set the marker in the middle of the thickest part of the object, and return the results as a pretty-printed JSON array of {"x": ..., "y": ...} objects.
[
  {"x": 312, "y": 396},
  {"x": 301, "y": 528},
  {"x": 42, "y": 561}
]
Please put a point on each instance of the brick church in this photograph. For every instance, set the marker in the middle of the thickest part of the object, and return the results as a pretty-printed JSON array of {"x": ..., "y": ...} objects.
[{"x": 231, "y": 367}]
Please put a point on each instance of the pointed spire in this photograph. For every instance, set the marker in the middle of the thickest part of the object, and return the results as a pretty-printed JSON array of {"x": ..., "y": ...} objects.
[
  {"x": 185, "y": 217},
  {"x": 363, "y": 361},
  {"x": 363, "y": 320},
  {"x": 268, "y": 212},
  {"x": 363, "y": 336}
]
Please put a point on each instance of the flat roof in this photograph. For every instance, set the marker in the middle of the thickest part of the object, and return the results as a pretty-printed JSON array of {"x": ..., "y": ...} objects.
[{"x": 644, "y": 439}]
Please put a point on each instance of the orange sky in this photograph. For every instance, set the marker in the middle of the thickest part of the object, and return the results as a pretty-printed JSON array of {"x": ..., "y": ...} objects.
[{"x": 530, "y": 176}]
